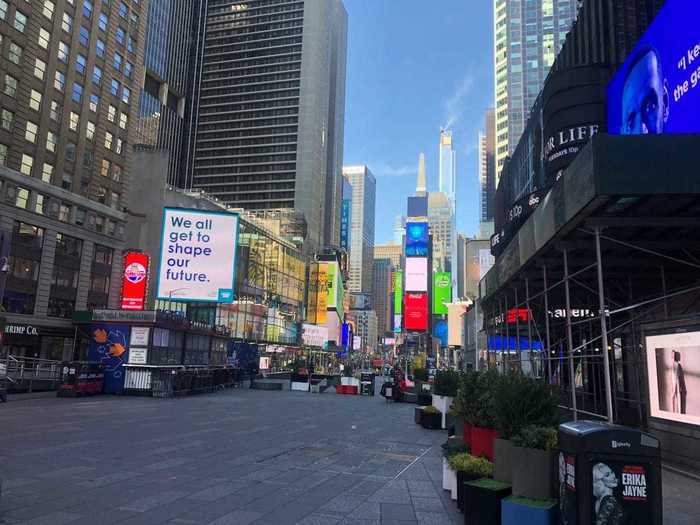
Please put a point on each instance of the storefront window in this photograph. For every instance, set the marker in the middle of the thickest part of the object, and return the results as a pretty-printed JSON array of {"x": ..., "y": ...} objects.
[
  {"x": 62, "y": 308},
  {"x": 15, "y": 302},
  {"x": 28, "y": 235},
  {"x": 69, "y": 246}
]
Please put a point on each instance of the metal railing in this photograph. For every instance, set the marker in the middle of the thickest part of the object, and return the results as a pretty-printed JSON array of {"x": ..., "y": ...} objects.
[{"x": 29, "y": 373}]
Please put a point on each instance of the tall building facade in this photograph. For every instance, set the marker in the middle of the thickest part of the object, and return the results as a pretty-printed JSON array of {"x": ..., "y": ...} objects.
[
  {"x": 392, "y": 251},
  {"x": 268, "y": 125},
  {"x": 441, "y": 220},
  {"x": 70, "y": 74},
  {"x": 361, "y": 260},
  {"x": 487, "y": 168},
  {"x": 527, "y": 37},
  {"x": 366, "y": 328},
  {"x": 171, "y": 38},
  {"x": 382, "y": 294},
  {"x": 448, "y": 167}
]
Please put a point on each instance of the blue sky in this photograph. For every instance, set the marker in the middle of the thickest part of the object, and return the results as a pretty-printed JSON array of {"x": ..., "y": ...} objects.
[{"x": 412, "y": 67}]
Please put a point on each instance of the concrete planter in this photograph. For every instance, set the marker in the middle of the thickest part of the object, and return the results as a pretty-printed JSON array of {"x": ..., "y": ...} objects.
[
  {"x": 459, "y": 427},
  {"x": 533, "y": 473},
  {"x": 449, "y": 477},
  {"x": 430, "y": 421},
  {"x": 350, "y": 381},
  {"x": 443, "y": 404},
  {"x": 503, "y": 460},
  {"x": 418, "y": 415},
  {"x": 298, "y": 386},
  {"x": 483, "y": 501},
  {"x": 482, "y": 441}
]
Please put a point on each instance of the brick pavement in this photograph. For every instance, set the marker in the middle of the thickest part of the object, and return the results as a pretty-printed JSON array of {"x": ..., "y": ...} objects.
[{"x": 236, "y": 457}]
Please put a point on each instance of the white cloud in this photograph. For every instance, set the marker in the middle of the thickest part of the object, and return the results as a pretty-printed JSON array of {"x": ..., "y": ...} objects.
[
  {"x": 455, "y": 104},
  {"x": 384, "y": 170}
]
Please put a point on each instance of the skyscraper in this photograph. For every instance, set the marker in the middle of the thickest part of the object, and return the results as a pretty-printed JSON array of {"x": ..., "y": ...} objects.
[
  {"x": 270, "y": 109},
  {"x": 448, "y": 168},
  {"x": 421, "y": 184},
  {"x": 381, "y": 294},
  {"x": 364, "y": 188},
  {"x": 170, "y": 36},
  {"x": 527, "y": 38},
  {"x": 441, "y": 220},
  {"x": 392, "y": 251},
  {"x": 70, "y": 73},
  {"x": 487, "y": 168}
]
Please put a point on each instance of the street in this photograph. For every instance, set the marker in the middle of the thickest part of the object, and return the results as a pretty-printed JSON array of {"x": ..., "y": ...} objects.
[{"x": 234, "y": 457}]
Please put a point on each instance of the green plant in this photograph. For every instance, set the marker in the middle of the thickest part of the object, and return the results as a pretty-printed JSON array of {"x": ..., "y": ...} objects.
[
  {"x": 519, "y": 401},
  {"x": 420, "y": 374},
  {"x": 453, "y": 446},
  {"x": 431, "y": 410},
  {"x": 471, "y": 465},
  {"x": 446, "y": 383},
  {"x": 538, "y": 437}
]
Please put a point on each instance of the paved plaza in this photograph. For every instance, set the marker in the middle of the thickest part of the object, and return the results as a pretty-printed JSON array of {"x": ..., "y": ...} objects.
[{"x": 236, "y": 457}]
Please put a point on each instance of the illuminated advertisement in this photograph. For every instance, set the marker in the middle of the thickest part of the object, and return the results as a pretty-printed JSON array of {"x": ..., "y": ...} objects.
[
  {"x": 416, "y": 274},
  {"x": 417, "y": 238},
  {"x": 322, "y": 294},
  {"x": 673, "y": 365},
  {"x": 656, "y": 89},
  {"x": 135, "y": 280},
  {"x": 440, "y": 331},
  {"x": 442, "y": 292},
  {"x": 198, "y": 256},
  {"x": 332, "y": 284},
  {"x": 398, "y": 319},
  {"x": 416, "y": 311},
  {"x": 398, "y": 293}
]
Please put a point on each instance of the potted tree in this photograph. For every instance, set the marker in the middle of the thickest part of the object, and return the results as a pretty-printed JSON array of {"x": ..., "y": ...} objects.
[
  {"x": 445, "y": 390},
  {"x": 533, "y": 462},
  {"x": 431, "y": 418},
  {"x": 451, "y": 447},
  {"x": 483, "y": 431},
  {"x": 518, "y": 401},
  {"x": 466, "y": 403},
  {"x": 468, "y": 468},
  {"x": 420, "y": 378}
]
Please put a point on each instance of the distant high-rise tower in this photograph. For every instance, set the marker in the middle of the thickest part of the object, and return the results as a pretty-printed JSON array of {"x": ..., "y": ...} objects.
[
  {"x": 448, "y": 169},
  {"x": 361, "y": 260},
  {"x": 487, "y": 167},
  {"x": 421, "y": 184},
  {"x": 381, "y": 294},
  {"x": 271, "y": 109},
  {"x": 527, "y": 38}
]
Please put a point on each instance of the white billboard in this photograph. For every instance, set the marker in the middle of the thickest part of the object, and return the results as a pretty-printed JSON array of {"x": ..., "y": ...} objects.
[
  {"x": 198, "y": 256},
  {"x": 673, "y": 365},
  {"x": 416, "y": 274},
  {"x": 313, "y": 335}
]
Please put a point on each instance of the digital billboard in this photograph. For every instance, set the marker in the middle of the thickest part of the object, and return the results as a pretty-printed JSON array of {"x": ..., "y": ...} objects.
[
  {"x": 416, "y": 311},
  {"x": 397, "y": 322},
  {"x": 135, "y": 280},
  {"x": 398, "y": 292},
  {"x": 656, "y": 89},
  {"x": 333, "y": 284},
  {"x": 418, "y": 206},
  {"x": 416, "y": 274},
  {"x": 198, "y": 256},
  {"x": 417, "y": 239},
  {"x": 442, "y": 292},
  {"x": 673, "y": 366}
]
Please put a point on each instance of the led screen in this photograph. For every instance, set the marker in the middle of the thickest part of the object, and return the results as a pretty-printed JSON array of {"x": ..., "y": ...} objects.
[
  {"x": 416, "y": 274},
  {"x": 673, "y": 365},
  {"x": 656, "y": 89},
  {"x": 442, "y": 292},
  {"x": 416, "y": 311},
  {"x": 417, "y": 239}
]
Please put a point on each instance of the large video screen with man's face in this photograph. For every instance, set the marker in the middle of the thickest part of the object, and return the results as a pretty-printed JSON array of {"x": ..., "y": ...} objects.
[
  {"x": 657, "y": 89},
  {"x": 673, "y": 365}
]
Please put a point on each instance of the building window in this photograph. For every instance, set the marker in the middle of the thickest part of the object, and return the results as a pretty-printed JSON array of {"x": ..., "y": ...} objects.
[
  {"x": 59, "y": 81},
  {"x": 97, "y": 75},
  {"x": 123, "y": 10},
  {"x": 31, "y": 132},
  {"x": 123, "y": 120},
  {"x": 67, "y": 181},
  {"x": 103, "y": 255},
  {"x": 121, "y": 35},
  {"x": 114, "y": 87},
  {"x": 27, "y": 164},
  {"x": 14, "y": 53},
  {"x": 39, "y": 69},
  {"x": 101, "y": 195},
  {"x": 68, "y": 246},
  {"x": 39, "y": 205},
  {"x": 128, "y": 68},
  {"x": 51, "y": 141},
  {"x": 116, "y": 172},
  {"x": 111, "y": 113},
  {"x": 67, "y": 23},
  {"x": 22, "y": 198},
  {"x": 55, "y": 113},
  {"x": 7, "y": 117},
  {"x": 47, "y": 172},
  {"x": 74, "y": 121},
  {"x": 77, "y": 92},
  {"x": 120, "y": 146},
  {"x": 100, "y": 48},
  {"x": 80, "y": 216},
  {"x": 87, "y": 9},
  {"x": 10, "y": 88},
  {"x": 44, "y": 38},
  {"x": 63, "y": 52},
  {"x": 94, "y": 102},
  {"x": 3, "y": 155},
  {"x": 126, "y": 94},
  {"x": 105, "y": 166},
  {"x": 90, "y": 130},
  {"x": 99, "y": 284},
  {"x": 108, "y": 141},
  {"x": 117, "y": 61},
  {"x": 80, "y": 64},
  {"x": 35, "y": 100},
  {"x": 62, "y": 308},
  {"x": 64, "y": 213},
  {"x": 102, "y": 23},
  {"x": 130, "y": 44},
  {"x": 48, "y": 9},
  {"x": 70, "y": 152},
  {"x": 114, "y": 200},
  {"x": 99, "y": 224},
  {"x": 3, "y": 9},
  {"x": 20, "y": 21},
  {"x": 84, "y": 38}
]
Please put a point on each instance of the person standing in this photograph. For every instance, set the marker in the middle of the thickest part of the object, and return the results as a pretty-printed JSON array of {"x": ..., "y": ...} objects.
[{"x": 680, "y": 391}]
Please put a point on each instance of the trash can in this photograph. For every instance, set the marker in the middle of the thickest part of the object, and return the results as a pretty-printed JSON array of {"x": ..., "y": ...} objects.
[
  {"x": 367, "y": 384},
  {"x": 608, "y": 475}
]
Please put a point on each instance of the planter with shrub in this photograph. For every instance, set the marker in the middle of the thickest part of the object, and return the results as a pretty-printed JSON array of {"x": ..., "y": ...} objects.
[
  {"x": 445, "y": 390},
  {"x": 483, "y": 433},
  {"x": 533, "y": 462},
  {"x": 431, "y": 418},
  {"x": 468, "y": 468},
  {"x": 450, "y": 448},
  {"x": 418, "y": 414},
  {"x": 483, "y": 501}
]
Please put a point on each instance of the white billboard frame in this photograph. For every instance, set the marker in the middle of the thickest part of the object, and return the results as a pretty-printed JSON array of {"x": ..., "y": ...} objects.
[
  {"x": 223, "y": 250},
  {"x": 416, "y": 272}
]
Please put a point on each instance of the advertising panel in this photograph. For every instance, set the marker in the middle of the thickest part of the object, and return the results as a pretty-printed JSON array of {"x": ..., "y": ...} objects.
[
  {"x": 673, "y": 365},
  {"x": 442, "y": 292},
  {"x": 417, "y": 206},
  {"x": 322, "y": 294},
  {"x": 656, "y": 89},
  {"x": 486, "y": 261},
  {"x": 357, "y": 342},
  {"x": 398, "y": 293},
  {"x": 440, "y": 331},
  {"x": 416, "y": 313},
  {"x": 198, "y": 256},
  {"x": 416, "y": 274},
  {"x": 312, "y": 303},
  {"x": 109, "y": 345},
  {"x": 313, "y": 335},
  {"x": 139, "y": 335},
  {"x": 620, "y": 491},
  {"x": 398, "y": 319},
  {"x": 135, "y": 280},
  {"x": 332, "y": 285},
  {"x": 417, "y": 239}
]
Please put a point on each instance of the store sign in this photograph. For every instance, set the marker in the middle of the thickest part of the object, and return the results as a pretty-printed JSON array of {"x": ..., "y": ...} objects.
[
  {"x": 442, "y": 292},
  {"x": 135, "y": 280},
  {"x": 345, "y": 223},
  {"x": 417, "y": 239},
  {"x": 198, "y": 256},
  {"x": 148, "y": 316},
  {"x": 138, "y": 356},
  {"x": 139, "y": 335},
  {"x": 313, "y": 335},
  {"x": 673, "y": 369},
  {"x": 416, "y": 274},
  {"x": 21, "y": 329},
  {"x": 657, "y": 90},
  {"x": 416, "y": 311}
]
